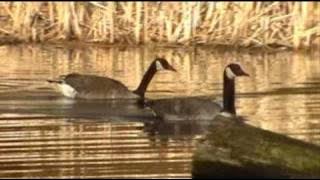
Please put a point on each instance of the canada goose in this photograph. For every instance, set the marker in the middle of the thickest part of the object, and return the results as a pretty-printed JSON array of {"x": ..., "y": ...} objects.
[
  {"x": 96, "y": 87},
  {"x": 194, "y": 108}
]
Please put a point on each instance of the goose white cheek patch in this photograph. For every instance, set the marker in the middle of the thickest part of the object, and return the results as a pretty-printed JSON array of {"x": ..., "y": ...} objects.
[
  {"x": 229, "y": 73},
  {"x": 226, "y": 114},
  {"x": 67, "y": 90},
  {"x": 159, "y": 66}
]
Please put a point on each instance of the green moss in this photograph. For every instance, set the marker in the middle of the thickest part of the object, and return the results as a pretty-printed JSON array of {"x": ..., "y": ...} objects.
[{"x": 252, "y": 147}]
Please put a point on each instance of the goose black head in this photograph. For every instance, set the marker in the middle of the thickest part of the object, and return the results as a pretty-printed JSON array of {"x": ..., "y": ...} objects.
[
  {"x": 233, "y": 70},
  {"x": 162, "y": 64}
]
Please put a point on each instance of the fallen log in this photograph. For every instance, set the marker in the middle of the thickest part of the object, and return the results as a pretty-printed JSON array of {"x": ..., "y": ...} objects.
[{"x": 233, "y": 149}]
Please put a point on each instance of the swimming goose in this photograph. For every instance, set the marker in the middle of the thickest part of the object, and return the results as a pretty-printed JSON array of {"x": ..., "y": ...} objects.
[
  {"x": 195, "y": 108},
  {"x": 96, "y": 87}
]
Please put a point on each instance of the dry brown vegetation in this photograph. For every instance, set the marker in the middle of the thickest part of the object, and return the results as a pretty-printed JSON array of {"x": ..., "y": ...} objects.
[{"x": 291, "y": 24}]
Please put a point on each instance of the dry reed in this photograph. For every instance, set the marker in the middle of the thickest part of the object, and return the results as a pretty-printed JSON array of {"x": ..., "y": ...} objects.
[{"x": 291, "y": 24}]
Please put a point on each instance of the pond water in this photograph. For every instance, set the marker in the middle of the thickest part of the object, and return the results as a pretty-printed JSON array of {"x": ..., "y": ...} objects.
[{"x": 44, "y": 134}]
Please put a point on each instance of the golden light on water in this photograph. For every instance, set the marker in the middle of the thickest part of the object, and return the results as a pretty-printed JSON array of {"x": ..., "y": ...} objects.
[{"x": 41, "y": 137}]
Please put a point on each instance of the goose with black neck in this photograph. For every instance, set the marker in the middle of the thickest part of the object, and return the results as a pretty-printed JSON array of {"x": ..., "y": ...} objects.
[
  {"x": 196, "y": 108},
  {"x": 83, "y": 86}
]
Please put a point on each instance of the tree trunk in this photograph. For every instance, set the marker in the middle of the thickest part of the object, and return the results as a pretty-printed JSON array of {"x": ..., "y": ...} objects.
[{"x": 238, "y": 150}]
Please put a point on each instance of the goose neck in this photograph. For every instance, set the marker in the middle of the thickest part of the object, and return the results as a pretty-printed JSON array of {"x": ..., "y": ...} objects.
[
  {"x": 228, "y": 94},
  {"x": 147, "y": 77}
]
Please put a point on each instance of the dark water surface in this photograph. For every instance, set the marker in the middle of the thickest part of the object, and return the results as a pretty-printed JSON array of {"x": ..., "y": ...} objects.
[{"x": 43, "y": 134}]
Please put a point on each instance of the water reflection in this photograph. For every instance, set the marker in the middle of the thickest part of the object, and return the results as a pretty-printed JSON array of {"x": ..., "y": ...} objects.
[
  {"x": 69, "y": 148},
  {"x": 46, "y": 135}
]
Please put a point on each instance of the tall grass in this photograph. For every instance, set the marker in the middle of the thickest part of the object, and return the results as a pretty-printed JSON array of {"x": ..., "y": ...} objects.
[{"x": 291, "y": 24}]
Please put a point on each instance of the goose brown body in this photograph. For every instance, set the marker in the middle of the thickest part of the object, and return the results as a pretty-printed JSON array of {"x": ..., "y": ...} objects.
[
  {"x": 190, "y": 108},
  {"x": 94, "y": 87}
]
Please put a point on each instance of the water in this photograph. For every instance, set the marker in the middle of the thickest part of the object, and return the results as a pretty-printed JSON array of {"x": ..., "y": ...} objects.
[{"x": 46, "y": 135}]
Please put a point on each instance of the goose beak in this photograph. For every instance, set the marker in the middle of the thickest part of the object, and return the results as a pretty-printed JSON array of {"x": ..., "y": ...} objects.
[
  {"x": 54, "y": 81},
  {"x": 172, "y": 69},
  {"x": 245, "y": 74}
]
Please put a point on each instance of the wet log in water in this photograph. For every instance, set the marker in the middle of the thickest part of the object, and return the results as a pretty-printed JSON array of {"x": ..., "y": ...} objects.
[{"x": 233, "y": 149}]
